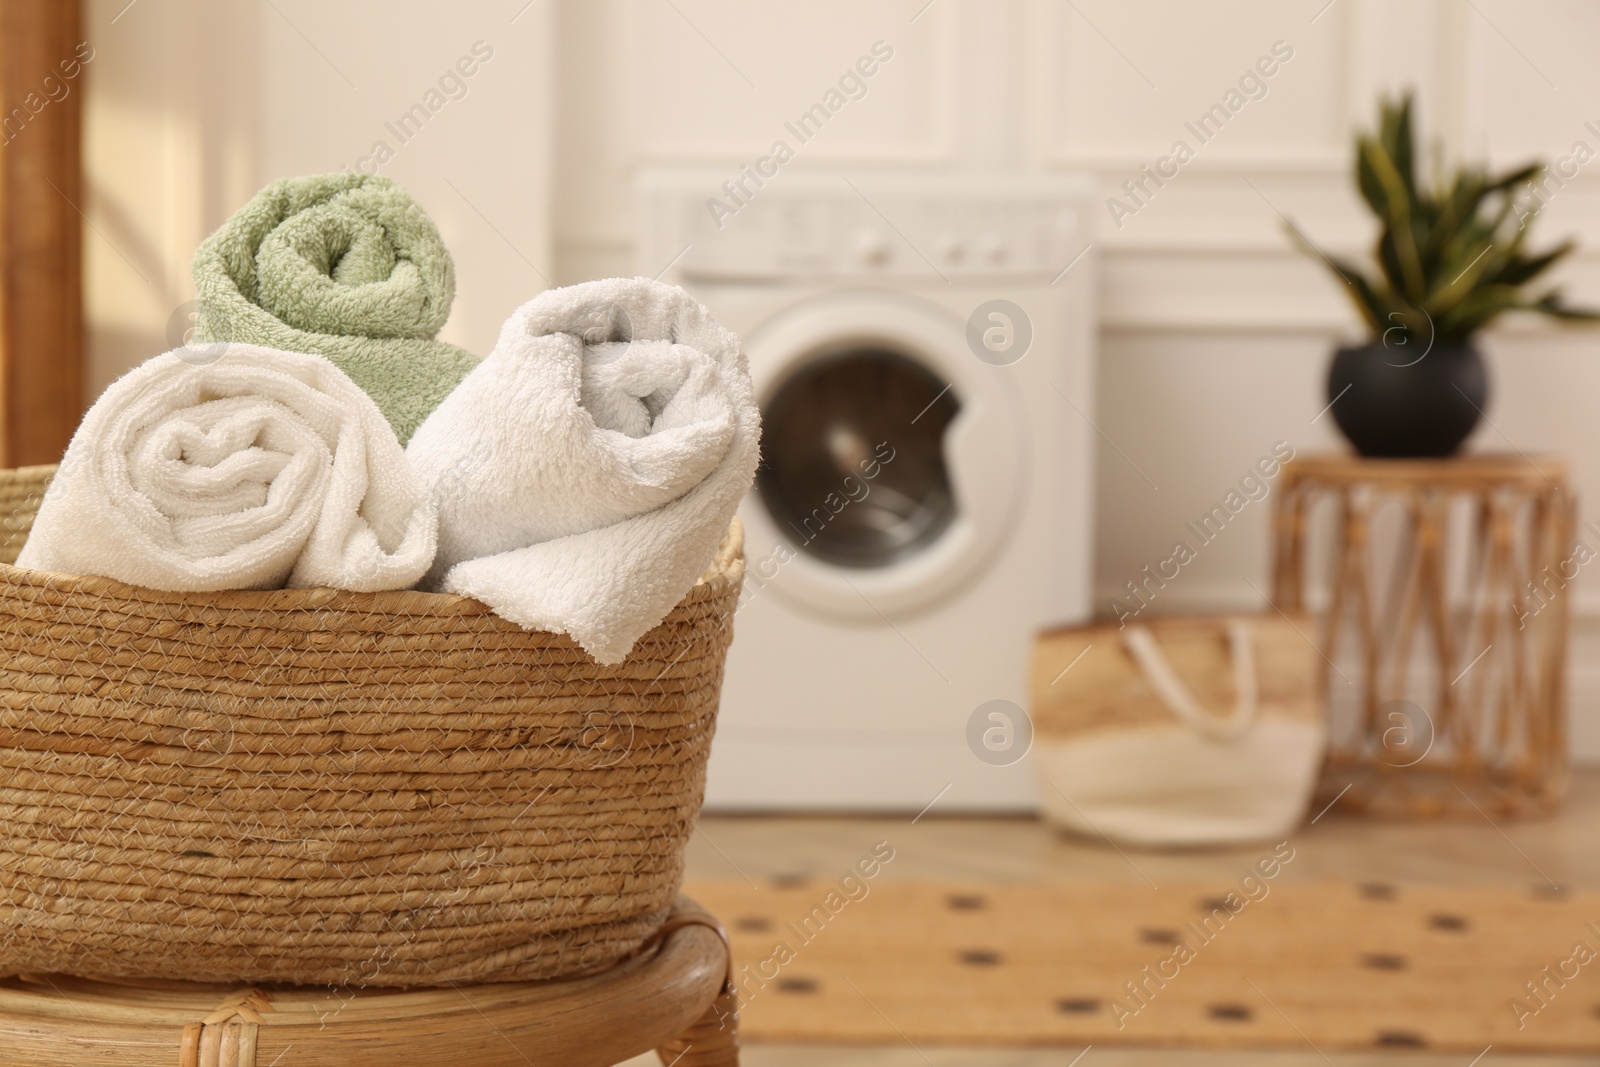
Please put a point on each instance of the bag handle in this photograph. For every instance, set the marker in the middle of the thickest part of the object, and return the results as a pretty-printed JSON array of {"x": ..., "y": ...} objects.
[{"x": 1175, "y": 695}]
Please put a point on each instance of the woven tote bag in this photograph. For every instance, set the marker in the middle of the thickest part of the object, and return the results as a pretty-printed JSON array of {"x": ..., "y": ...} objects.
[
  {"x": 1185, "y": 731},
  {"x": 312, "y": 786}
]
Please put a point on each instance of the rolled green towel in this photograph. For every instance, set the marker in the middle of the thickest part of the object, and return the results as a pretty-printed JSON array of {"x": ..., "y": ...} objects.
[{"x": 346, "y": 266}]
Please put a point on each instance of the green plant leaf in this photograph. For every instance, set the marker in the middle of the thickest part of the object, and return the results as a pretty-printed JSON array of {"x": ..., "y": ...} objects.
[
  {"x": 1450, "y": 251},
  {"x": 1372, "y": 308},
  {"x": 1550, "y": 304},
  {"x": 1459, "y": 204},
  {"x": 1477, "y": 308},
  {"x": 1397, "y": 246},
  {"x": 1372, "y": 190},
  {"x": 1515, "y": 177},
  {"x": 1400, "y": 145},
  {"x": 1523, "y": 269}
]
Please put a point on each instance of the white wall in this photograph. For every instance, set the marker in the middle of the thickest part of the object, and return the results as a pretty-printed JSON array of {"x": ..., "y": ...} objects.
[
  {"x": 192, "y": 106},
  {"x": 1215, "y": 332},
  {"x": 170, "y": 147}
]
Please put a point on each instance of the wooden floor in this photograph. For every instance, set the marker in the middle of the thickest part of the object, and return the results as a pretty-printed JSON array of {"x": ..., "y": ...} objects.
[
  {"x": 830, "y": 1056},
  {"x": 1564, "y": 850}
]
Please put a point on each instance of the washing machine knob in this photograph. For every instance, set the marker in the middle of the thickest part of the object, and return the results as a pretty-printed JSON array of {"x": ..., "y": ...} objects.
[{"x": 872, "y": 247}]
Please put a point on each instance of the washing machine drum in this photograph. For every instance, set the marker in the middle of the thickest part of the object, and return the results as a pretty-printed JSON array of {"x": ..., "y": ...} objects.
[
  {"x": 893, "y": 459},
  {"x": 855, "y": 467}
]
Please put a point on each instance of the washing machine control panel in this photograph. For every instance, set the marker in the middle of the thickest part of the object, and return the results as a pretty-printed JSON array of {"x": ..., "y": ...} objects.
[{"x": 795, "y": 226}]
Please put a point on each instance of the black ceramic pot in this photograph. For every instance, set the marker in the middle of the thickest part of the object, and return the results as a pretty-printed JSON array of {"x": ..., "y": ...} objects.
[{"x": 1392, "y": 404}]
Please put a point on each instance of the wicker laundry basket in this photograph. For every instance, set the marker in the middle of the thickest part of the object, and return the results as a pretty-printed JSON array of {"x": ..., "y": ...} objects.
[{"x": 311, "y": 786}]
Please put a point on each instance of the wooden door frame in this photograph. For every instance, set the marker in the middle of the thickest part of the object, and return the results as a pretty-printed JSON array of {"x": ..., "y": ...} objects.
[{"x": 42, "y": 52}]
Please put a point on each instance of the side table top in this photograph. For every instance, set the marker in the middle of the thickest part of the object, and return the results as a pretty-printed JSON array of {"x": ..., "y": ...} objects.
[{"x": 1471, "y": 471}]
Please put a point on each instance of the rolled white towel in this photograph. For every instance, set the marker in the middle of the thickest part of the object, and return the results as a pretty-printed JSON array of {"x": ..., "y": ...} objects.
[
  {"x": 235, "y": 467},
  {"x": 586, "y": 471}
]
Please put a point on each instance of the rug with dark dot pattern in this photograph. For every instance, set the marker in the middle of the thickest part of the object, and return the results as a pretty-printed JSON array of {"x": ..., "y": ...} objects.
[{"x": 1329, "y": 966}]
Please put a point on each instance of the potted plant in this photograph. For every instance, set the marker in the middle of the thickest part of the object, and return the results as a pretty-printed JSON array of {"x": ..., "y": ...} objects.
[{"x": 1451, "y": 259}]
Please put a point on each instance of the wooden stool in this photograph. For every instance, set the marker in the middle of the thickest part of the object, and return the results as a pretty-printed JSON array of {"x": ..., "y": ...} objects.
[
  {"x": 1449, "y": 638},
  {"x": 676, "y": 998}
]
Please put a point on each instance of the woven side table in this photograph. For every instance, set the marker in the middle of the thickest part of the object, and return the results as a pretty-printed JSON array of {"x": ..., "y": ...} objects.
[{"x": 1441, "y": 590}]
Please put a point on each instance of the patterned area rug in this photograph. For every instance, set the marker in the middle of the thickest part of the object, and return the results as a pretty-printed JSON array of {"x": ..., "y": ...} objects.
[{"x": 1253, "y": 964}]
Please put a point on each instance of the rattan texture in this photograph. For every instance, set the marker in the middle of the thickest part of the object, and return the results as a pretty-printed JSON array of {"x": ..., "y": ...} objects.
[
  {"x": 21, "y": 493},
  {"x": 312, "y": 786},
  {"x": 1086, "y": 682}
]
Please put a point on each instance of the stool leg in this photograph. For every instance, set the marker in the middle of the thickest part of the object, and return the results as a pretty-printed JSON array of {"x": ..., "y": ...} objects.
[{"x": 711, "y": 1042}]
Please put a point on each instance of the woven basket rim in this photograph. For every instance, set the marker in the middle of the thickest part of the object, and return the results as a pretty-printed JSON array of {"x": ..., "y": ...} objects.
[
  {"x": 725, "y": 572},
  {"x": 30, "y": 472}
]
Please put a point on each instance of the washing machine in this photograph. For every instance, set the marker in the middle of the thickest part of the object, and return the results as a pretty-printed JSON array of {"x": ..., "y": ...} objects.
[{"x": 923, "y": 351}]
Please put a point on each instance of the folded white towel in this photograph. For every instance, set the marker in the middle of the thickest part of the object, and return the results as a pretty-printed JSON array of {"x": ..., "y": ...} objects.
[
  {"x": 239, "y": 468},
  {"x": 586, "y": 471}
]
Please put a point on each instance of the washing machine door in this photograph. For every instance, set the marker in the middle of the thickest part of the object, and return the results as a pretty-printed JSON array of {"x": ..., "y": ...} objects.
[{"x": 893, "y": 460}]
